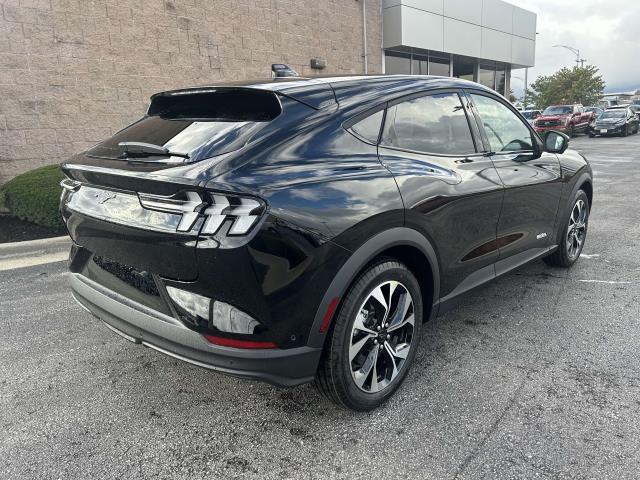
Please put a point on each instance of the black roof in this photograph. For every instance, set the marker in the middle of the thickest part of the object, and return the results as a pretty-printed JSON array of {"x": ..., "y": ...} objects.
[{"x": 320, "y": 92}]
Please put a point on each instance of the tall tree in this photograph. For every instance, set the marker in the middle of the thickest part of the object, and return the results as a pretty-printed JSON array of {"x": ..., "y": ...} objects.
[{"x": 582, "y": 85}]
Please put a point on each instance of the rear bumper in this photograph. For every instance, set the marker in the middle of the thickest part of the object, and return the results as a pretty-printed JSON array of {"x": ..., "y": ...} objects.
[{"x": 142, "y": 325}]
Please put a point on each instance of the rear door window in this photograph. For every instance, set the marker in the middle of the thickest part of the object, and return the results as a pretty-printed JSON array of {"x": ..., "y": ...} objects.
[
  {"x": 369, "y": 127},
  {"x": 435, "y": 124}
]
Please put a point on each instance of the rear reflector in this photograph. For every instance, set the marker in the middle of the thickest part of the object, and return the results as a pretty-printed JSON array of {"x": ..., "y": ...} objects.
[
  {"x": 326, "y": 321},
  {"x": 246, "y": 344}
]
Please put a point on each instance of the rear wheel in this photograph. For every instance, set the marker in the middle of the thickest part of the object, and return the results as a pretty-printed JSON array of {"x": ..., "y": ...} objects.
[
  {"x": 374, "y": 339},
  {"x": 573, "y": 235},
  {"x": 572, "y": 131}
]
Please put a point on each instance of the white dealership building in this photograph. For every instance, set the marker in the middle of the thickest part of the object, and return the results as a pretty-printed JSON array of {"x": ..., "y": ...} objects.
[{"x": 479, "y": 40}]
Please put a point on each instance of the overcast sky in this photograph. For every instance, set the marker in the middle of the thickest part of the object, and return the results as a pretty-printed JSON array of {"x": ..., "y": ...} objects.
[{"x": 607, "y": 32}]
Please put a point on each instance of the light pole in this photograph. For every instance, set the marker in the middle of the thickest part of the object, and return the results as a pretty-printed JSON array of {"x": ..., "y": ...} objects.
[
  {"x": 576, "y": 52},
  {"x": 526, "y": 87}
]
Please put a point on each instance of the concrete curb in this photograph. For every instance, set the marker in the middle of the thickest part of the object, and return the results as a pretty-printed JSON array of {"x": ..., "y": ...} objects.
[{"x": 33, "y": 252}]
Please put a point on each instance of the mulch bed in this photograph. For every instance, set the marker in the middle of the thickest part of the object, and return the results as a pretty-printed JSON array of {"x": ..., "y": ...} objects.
[{"x": 13, "y": 229}]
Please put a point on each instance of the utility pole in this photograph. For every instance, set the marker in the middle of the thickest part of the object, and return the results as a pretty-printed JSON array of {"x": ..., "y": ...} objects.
[
  {"x": 576, "y": 52},
  {"x": 526, "y": 86}
]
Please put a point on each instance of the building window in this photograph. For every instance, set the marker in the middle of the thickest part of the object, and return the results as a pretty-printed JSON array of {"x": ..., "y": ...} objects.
[
  {"x": 439, "y": 66},
  {"x": 464, "y": 67},
  {"x": 501, "y": 80},
  {"x": 396, "y": 63},
  {"x": 493, "y": 75},
  {"x": 487, "y": 76},
  {"x": 422, "y": 63}
]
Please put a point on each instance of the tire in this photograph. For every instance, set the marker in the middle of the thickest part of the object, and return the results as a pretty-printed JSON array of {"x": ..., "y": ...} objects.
[
  {"x": 572, "y": 131},
  {"x": 349, "y": 381},
  {"x": 625, "y": 131},
  {"x": 572, "y": 239},
  {"x": 592, "y": 135}
]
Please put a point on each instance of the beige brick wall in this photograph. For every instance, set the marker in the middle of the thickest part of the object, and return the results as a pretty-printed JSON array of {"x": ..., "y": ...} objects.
[{"x": 74, "y": 71}]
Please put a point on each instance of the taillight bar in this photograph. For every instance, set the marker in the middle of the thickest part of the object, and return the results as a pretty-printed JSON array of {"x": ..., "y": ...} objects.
[{"x": 179, "y": 212}]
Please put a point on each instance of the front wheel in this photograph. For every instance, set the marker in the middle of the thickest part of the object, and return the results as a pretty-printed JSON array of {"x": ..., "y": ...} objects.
[
  {"x": 573, "y": 235},
  {"x": 374, "y": 338},
  {"x": 625, "y": 131}
]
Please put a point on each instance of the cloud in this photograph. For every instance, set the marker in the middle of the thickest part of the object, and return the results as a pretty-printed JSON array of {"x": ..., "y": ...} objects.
[{"x": 605, "y": 31}]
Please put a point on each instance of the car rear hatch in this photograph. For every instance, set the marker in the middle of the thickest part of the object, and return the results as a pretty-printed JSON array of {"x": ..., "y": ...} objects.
[{"x": 136, "y": 199}]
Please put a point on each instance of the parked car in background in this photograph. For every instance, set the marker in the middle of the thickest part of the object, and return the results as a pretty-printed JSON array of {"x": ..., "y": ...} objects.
[
  {"x": 616, "y": 121},
  {"x": 569, "y": 119},
  {"x": 299, "y": 231},
  {"x": 531, "y": 115},
  {"x": 634, "y": 108},
  {"x": 596, "y": 112}
]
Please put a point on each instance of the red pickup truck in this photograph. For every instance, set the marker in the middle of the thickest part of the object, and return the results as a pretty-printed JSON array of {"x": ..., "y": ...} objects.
[{"x": 569, "y": 119}]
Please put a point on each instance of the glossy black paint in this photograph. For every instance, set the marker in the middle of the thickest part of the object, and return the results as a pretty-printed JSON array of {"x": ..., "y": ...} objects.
[{"x": 328, "y": 195}]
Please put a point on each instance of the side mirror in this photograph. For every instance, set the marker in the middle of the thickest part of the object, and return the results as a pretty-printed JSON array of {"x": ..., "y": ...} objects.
[{"x": 556, "y": 142}]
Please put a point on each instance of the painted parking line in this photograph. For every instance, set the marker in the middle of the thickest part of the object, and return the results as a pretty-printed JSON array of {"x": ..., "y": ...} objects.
[{"x": 611, "y": 282}]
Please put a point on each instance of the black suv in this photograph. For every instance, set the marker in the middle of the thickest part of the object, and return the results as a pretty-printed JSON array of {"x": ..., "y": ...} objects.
[{"x": 303, "y": 230}]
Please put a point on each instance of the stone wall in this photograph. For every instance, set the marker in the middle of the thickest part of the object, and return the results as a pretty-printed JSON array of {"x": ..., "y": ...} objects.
[{"x": 72, "y": 72}]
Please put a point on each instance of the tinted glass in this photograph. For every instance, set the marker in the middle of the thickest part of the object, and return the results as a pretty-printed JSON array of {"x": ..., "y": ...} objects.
[
  {"x": 431, "y": 124},
  {"x": 487, "y": 77},
  {"x": 419, "y": 65},
  {"x": 198, "y": 139},
  {"x": 506, "y": 132},
  {"x": 439, "y": 67},
  {"x": 397, "y": 63},
  {"x": 369, "y": 128},
  {"x": 501, "y": 78}
]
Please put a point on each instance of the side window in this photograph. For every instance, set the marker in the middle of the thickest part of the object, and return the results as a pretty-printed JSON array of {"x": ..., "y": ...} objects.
[
  {"x": 369, "y": 128},
  {"x": 431, "y": 124},
  {"x": 506, "y": 132}
]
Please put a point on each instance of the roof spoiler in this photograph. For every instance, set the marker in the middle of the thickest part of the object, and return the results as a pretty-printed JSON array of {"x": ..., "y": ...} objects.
[{"x": 316, "y": 94}]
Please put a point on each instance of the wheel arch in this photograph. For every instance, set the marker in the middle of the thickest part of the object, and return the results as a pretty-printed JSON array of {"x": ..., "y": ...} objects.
[
  {"x": 587, "y": 187},
  {"x": 400, "y": 243}
]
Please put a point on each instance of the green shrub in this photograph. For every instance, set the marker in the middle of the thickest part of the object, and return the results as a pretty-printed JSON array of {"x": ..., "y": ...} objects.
[{"x": 34, "y": 196}]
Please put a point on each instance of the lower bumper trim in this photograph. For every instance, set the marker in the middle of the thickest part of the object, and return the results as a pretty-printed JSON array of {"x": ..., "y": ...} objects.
[{"x": 280, "y": 367}]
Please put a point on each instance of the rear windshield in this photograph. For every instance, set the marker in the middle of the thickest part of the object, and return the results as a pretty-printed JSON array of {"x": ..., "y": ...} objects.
[
  {"x": 529, "y": 115},
  {"x": 558, "y": 110},
  {"x": 198, "y": 125}
]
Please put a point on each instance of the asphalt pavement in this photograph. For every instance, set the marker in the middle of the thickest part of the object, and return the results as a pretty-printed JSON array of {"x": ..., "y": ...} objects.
[{"x": 536, "y": 375}]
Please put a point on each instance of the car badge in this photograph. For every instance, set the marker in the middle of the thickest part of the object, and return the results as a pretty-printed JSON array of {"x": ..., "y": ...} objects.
[{"x": 103, "y": 197}]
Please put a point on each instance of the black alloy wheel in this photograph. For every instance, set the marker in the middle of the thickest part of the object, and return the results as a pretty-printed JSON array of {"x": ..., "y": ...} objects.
[
  {"x": 573, "y": 235},
  {"x": 374, "y": 339}
]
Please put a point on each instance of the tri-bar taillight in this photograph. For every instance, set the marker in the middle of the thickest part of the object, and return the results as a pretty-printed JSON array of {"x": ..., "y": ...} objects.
[
  {"x": 184, "y": 212},
  {"x": 244, "y": 212}
]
